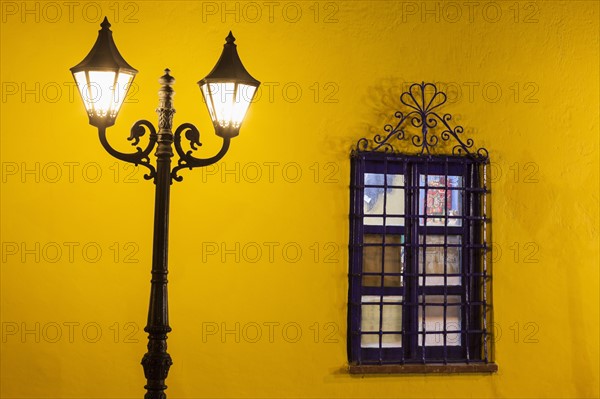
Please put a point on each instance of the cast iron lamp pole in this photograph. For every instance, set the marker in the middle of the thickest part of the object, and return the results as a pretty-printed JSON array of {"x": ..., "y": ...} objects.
[{"x": 103, "y": 78}]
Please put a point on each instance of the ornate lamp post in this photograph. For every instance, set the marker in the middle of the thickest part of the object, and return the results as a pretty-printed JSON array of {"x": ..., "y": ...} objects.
[{"x": 103, "y": 79}]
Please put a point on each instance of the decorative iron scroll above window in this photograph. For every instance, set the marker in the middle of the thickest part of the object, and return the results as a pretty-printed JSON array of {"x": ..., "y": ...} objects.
[
  {"x": 419, "y": 277},
  {"x": 423, "y": 102}
]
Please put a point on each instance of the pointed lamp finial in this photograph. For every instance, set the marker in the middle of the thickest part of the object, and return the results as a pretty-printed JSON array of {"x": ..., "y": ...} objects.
[
  {"x": 230, "y": 39},
  {"x": 105, "y": 24},
  {"x": 167, "y": 79}
]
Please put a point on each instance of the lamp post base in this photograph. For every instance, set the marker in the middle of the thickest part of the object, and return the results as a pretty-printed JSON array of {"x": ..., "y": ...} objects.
[{"x": 156, "y": 365}]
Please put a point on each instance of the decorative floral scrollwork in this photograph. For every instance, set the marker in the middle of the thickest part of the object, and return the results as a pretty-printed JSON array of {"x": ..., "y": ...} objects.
[
  {"x": 139, "y": 129},
  {"x": 193, "y": 136},
  {"x": 380, "y": 142},
  {"x": 141, "y": 156},
  {"x": 186, "y": 158},
  {"x": 422, "y": 101}
]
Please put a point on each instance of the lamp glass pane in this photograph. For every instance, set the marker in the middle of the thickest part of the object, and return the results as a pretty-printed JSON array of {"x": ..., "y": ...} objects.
[
  {"x": 229, "y": 106},
  {"x": 123, "y": 84},
  {"x": 222, "y": 97},
  {"x": 208, "y": 100},
  {"x": 83, "y": 87},
  {"x": 243, "y": 97},
  {"x": 101, "y": 87}
]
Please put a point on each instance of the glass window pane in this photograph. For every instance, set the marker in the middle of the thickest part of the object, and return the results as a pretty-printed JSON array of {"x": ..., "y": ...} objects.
[
  {"x": 374, "y": 198},
  {"x": 392, "y": 321},
  {"x": 434, "y": 260},
  {"x": 441, "y": 202},
  {"x": 434, "y": 320},
  {"x": 393, "y": 261}
]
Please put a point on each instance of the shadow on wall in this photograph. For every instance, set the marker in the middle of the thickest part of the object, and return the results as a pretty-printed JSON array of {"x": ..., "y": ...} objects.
[
  {"x": 383, "y": 101},
  {"x": 378, "y": 112}
]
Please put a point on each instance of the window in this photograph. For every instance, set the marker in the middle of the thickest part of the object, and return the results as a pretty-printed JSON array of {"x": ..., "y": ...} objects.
[
  {"x": 420, "y": 279},
  {"x": 419, "y": 276}
]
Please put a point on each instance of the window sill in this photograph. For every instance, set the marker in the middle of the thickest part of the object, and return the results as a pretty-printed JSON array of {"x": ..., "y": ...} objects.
[{"x": 458, "y": 368}]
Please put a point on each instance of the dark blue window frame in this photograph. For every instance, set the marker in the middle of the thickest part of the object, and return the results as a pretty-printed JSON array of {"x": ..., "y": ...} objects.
[{"x": 470, "y": 226}]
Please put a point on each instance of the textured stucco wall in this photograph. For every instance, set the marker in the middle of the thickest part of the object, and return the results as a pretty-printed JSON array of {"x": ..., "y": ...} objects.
[{"x": 523, "y": 80}]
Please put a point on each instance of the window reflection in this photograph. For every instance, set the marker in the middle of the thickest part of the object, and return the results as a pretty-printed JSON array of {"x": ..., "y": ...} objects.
[
  {"x": 375, "y": 197},
  {"x": 443, "y": 203}
]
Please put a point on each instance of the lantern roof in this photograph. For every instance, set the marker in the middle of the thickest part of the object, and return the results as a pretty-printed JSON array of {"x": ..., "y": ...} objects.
[
  {"x": 229, "y": 67},
  {"x": 104, "y": 55}
]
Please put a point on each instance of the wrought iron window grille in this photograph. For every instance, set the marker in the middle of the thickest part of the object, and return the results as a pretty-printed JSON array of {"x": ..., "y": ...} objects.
[
  {"x": 420, "y": 279},
  {"x": 422, "y": 102}
]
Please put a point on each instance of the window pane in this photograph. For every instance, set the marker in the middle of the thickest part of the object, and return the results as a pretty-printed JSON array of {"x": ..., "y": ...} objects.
[
  {"x": 374, "y": 198},
  {"x": 393, "y": 261},
  {"x": 392, "y": 321},
  {"x": 434, "y": 260},
  {"x": 441, "y": 202},
  {"x": 434, "y": 320}
]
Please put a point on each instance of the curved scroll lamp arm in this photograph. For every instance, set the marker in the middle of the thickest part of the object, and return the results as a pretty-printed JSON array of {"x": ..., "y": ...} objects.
[
  {"x": 141, "y": 157},
  {"x": 186, "y": 159}
]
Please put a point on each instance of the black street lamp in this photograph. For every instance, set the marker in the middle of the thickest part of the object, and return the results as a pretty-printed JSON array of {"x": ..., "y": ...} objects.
[{"x": 103, "y": 79}]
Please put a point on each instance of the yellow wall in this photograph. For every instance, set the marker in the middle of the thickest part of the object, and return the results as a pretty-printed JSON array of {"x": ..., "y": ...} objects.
[{"x": 349, "y": 59}]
